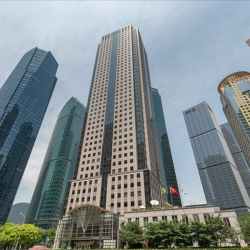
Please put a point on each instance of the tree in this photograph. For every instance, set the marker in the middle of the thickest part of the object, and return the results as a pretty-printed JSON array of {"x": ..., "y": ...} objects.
[
  {"x": 214, "y": 231},
  {"x": 168, "y": 233},
  {"x": 131, "y": 233},
  {"x": 219, "y": 230},
  {"x": 200, "y": 234},
  {"x": 25, "y": 235},
  {"x": 182, "y": 234},
  {"x": 52, "y": 235},
  {"x": 244, "y": 222}
]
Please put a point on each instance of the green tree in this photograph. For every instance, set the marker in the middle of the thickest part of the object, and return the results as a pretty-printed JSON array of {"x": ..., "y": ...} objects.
[
  {"x": 182, "y": 234},
  {"x": 160, "y": 233},
  {"x": 200, "y": 234},
  {"x": 52, "y": 235},
  {"x": 131, "y": 233},
  {"x": 219, "y": 230},
  {"x": 26, "y": 235},
  {"x": 244, "y": 222}
]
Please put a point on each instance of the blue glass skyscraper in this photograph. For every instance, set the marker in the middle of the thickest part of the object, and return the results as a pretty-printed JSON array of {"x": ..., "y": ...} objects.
[
  {"x": 24, "y": 98},
  {"x": 220, "y": 177},
  {"x": 168, "y": 170},
  {"x": 58, "y": 168}
]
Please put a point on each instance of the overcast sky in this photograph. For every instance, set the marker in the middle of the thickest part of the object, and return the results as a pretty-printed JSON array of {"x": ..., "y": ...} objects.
[{"x": 191, "y": 47}]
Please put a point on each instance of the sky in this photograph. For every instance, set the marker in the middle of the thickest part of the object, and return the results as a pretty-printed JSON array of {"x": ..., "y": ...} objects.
[{"x": 191, "y": 47}]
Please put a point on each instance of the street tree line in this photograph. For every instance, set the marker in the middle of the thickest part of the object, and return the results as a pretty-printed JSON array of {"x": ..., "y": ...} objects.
[
  {"x": 213, "y": 232},
  {"x": 24, "y": 236}
]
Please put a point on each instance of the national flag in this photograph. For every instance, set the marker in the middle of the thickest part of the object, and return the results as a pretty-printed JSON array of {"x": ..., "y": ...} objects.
[
  {"x": 173, "y": 191},
  {"x": 164, "y": 190}
]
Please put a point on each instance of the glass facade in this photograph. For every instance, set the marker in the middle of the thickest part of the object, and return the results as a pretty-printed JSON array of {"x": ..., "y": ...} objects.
[
  {"x": 220, "y": 178},
  {"x": 58, "y": 168},
  {"x": 166, "y": 156},
  {"x": 109, "y": 120},
  {"x": 87, "y": 226},
  {"x": 24, "y": 98},
  {"x": 237, "y": 154},
  {"x": 235, "y": 98}
]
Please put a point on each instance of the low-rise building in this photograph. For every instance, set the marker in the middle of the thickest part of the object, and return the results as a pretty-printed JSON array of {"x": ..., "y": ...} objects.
[{"x": 90, "y": 226}]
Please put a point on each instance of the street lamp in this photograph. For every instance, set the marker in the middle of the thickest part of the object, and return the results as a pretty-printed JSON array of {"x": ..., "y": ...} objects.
[
  {"x": 20, "y": 231},
  {"x": 112, "y": 227}
]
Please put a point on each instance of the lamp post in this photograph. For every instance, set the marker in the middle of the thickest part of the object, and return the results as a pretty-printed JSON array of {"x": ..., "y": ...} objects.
[
  {"x": 112, "y": 227},
  {"x": 20, "y": 231}
]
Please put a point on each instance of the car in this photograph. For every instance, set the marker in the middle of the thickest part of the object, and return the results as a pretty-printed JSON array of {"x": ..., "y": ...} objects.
[{"x": 39, "y": 248}]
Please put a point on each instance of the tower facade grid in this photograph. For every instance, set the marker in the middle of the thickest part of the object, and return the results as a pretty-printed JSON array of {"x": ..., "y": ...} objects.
[
  {"x": 235, "y": 98},
  {"x": 48, "y": 201},
  {"x": 220, "y": 178},
  {"x": 24, "y": 98},
  {"x": 120, "y": 166}
]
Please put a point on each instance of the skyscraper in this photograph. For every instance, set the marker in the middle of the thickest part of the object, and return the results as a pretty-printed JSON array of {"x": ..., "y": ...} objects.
[
  {"x": 24, "y": 98},
  {"x": 58, "y": 168},
  {"x": 237, "y": 154},
  {"x": 235, "y": 98},
  {"x": 166, "y": 156},
  {"x": 16, "y": 209},
  {"x": 219, "y": 175},
  {"x": 120, "y": 166}
]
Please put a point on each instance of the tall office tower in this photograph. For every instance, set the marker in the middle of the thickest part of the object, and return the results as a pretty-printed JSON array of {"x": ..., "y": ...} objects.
[
  {"x": 24, "y": 98},
  {"x": 235, "y": 98},
  {"x": 120, "y": 166},
  {"x": 46, "y": 207},
  {"x": 220, "y": 178},
  {"x": 15, "y": 212},
  {"x": 237, "y": 154},
  {"x": 166, "y": 155}
]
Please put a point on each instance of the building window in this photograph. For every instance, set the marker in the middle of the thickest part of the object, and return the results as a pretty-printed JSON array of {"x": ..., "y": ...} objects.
[
  {"x": 155, "y": 219},
  {"x": 164, "y": 218},
  {"x": 227, "y": 221},
  {"x": 185, "y": 219},
  {"x": 137, "y": 220},
  {"x": 174, "y": 218},
  {"x": 145, "y": 221},
  {"x": 196, "y": 217},
  {"x": 206, "y": 217}
]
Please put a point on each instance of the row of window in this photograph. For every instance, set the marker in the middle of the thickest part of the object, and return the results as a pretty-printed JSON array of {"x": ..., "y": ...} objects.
[
  {"x": 125, "y": 177},
  {"x": 125, "y": 194},
  {"x": 90, "y": 182},
  {"x": 132, "y": 184},
  {"x": 185, "y": 219}
]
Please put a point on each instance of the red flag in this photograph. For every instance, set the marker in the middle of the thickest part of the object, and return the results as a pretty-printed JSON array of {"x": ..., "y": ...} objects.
[{"x": 173, "y": 191}]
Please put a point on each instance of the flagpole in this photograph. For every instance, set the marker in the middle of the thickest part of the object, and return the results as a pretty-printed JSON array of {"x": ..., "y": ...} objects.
[
  {"x": 180, "y": 192},
  {"x": 171, "y": 196}
]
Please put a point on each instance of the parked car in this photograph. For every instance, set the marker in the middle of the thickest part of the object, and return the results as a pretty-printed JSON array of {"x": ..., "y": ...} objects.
[{"x": 39, "y": 248}]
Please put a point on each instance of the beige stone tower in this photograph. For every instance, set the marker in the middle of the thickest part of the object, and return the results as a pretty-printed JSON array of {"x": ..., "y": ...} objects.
[
  {"x": 120, "y": 167},
  {"x": 235, "y": 98}
]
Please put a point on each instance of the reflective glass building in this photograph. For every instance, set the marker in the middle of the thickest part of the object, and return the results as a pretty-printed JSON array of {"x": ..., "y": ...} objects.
[
  {"x": 58, "y": 168},
  {"x": 87, "y": 227},
  {"x": 220, "y": 178},
  {"x": 235, "y": 98},
  {"x": 237, "y": 154},
  {"x": 24, "y": 98},
  {"x": 166, "y": 155}
]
